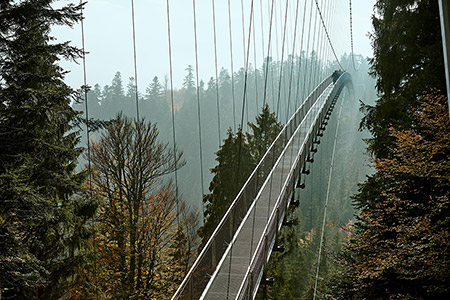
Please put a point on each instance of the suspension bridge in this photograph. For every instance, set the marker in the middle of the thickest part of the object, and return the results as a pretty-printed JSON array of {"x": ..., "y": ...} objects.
[{"x": 231, "y": 265}]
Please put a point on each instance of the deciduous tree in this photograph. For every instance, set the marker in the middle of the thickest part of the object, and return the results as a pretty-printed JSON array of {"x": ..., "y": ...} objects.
[{"x": 399, "y": 247}]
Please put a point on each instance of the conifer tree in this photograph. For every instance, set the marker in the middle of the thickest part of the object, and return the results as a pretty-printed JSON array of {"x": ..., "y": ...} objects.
[
  {"x": 263, "y": 133},
  {"x": 154, "y": 91},
  {"x": 234, "y": 165},
  {"x": 43, "y": 213}
]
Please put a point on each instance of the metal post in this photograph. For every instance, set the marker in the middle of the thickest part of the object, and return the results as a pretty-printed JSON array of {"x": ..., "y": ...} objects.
[
  {"x": 444, "y": 13},
  {"x": 213, "y": 253},
  {"x": 251, "y": 287}
]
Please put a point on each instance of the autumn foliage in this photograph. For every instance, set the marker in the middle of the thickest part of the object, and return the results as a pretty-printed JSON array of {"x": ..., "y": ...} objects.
[
  {"x": 399, "y": 248},
  {"x": 144, "y": 242}
]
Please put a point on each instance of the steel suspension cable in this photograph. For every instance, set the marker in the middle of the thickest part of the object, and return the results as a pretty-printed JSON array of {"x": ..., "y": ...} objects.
[
  {"x": 240, "y": 134},
  {"x": 231, "y": 62},
  {"x": 324, "y": 71},
  {"x": 217, "y": 70},
  {"x": 292, "y": 68},
  {"x": 255, "y": 68},
  {"x": 262, "y": 37},
  {"x": 299, "y": 72},
  {"x": 88, "y": 136},
  {"x": 310, "y": 87},
  {"x": 320, "y": 53},
  {"x": 278, "y": 102},
  {"x": 282, "y": 56},
  {"x": 328, "y": 36},
  {"x": 85, "y": 90},
  {"x": 198, "y": 107},
  {"x": 135, "y": 61},
  {"x": 351, "y": 35},
  {"x": 304, "y": 92},
  {"x": 266, "y": 76},
  {"x": 292, "y": 57},
  {"x": 319, "y": 56},
  {"x": 245, "y": 58},
  {"x": 274, "y": 66},
  {"x": 173, "y": 111},
  {"x": 246, "y": 64}
]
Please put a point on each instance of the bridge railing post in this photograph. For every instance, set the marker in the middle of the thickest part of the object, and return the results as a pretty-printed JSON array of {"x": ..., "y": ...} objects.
[{"x": 251, "y": 287}]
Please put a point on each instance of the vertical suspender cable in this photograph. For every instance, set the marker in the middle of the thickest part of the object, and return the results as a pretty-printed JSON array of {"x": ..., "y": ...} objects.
[
  {"x": 244, "y": 52},
  {"x": 278, "y": 56},
  {"x": 244, "y": 55},
  {"x": 292, "y": 57},
  {"x": 310, "y": 88},
  {"x": 217, "y": 70},
  {"x": 88, "y": 138},
  {"x": 304, "y": 92},
  {"x": 230, "y": 29},
  {"x": 173, "y": 111},
  {"x": 198, "y": 107},
  {"x": 318, "y": 56},
  {"x": 292, "y": 69},
  {"x": 262, "y": 40},
  {"x": 85, "y": 90},
  {"x": 255, "y": 68},
  {"x": 299, "y": 72},
  {"x": 282, "y": 56},
  {"x": 240, "y": 134},
  {"x": 135, "y": 61},
  {"x": 266, "y": 76}
]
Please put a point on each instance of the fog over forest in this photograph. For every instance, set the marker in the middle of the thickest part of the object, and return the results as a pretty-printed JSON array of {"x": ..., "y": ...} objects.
[{"x": 154, "y": 105}]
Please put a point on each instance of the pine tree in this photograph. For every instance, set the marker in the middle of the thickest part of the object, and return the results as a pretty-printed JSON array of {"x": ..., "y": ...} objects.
[
  {"x": 188, "y": 82},
  {"x": 263, "y": 133},
  {"x": 234, "y": 165},
  {"x": 43, "y": 213},
  {"x": 154, "y": 91}
]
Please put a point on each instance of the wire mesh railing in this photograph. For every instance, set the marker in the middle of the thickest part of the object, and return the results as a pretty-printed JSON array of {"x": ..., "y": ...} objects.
[{"x": 262, "y": 253}]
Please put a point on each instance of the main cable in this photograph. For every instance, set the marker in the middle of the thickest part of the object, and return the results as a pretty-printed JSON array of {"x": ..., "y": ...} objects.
[
  {"x": 328, "y": 36},
  {"x": 351, "y": 35}
]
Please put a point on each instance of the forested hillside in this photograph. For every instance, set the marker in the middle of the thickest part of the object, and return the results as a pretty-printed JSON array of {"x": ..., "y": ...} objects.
[{"x": 219, "y": 101}]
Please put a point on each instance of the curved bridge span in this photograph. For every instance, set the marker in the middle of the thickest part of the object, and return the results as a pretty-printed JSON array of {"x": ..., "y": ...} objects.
[{"x": 232, "y": 262}]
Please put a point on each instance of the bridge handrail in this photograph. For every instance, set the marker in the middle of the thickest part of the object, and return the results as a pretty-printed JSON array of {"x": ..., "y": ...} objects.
[
  {"x": 239, "y": 201},
  {"x": 248, "y": 284}
]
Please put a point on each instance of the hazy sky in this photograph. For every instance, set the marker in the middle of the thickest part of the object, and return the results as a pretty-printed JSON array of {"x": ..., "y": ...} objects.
[{"x": 108, "y": 35}]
